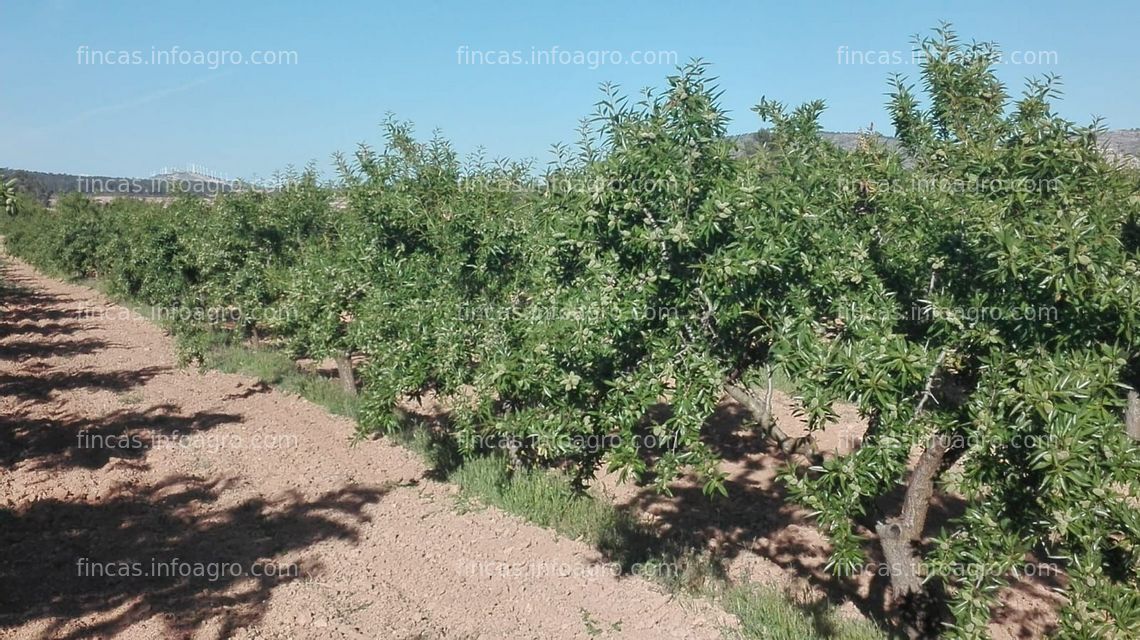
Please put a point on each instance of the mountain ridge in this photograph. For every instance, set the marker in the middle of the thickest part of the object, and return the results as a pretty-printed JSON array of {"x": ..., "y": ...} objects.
[
  {"x": 43, "y": 185},
  {"x": 1118, "y": 142}
]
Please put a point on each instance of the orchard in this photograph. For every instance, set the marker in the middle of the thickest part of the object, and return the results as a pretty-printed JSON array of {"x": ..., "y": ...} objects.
[{"x": 651, "y": 265}]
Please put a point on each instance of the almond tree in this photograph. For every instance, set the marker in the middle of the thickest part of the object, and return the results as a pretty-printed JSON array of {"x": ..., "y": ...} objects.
[{"x": 1007, "y": 265}]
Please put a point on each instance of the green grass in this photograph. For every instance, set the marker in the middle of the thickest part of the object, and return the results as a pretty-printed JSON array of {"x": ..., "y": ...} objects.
[
  {"x": 542, "y": 497},
  {"x": 278, "y": 369},
  {"x": 766, "y": 614}
]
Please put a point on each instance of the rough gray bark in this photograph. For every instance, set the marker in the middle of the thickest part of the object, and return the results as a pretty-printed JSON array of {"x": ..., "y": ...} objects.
[
  {"x": 1132, "y": 416},
  {"x": 918, "y": 494},
  {"x": 344, "y": 369},
  {"x": 902, "y": 563},
  {"x": 897, "y": 536}
]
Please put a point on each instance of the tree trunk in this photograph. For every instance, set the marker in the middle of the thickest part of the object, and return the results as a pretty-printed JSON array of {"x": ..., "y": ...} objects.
[
  {"x": 897, "y": 537},
  {"x": 1132, "y": 416},
  {"x": 344, "y": 369}
]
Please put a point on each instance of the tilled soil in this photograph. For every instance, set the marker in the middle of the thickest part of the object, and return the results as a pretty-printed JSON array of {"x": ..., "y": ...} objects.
[
  {"x": 143, "y": 500},
  {"x": 758, "y": 534},
  {"x": 115, "y": 460}
]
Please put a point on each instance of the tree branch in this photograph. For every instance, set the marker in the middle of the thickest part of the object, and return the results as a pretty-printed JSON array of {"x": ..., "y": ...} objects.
[
  {"x": 927, "y": 391},
  {"x": 762, "y": 413},
  {"x": 921, "y": 487}
]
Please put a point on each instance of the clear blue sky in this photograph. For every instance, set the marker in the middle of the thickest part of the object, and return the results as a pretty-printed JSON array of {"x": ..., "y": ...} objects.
[{"x": 355, "y": 61}]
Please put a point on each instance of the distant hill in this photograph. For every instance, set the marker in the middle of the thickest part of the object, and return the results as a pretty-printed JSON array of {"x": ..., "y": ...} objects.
[
  {"x": 1123, "y": 143},
  {"x": 46, "y": 186}
]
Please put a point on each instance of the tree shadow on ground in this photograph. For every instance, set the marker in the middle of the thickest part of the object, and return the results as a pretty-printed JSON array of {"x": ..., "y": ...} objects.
[
  {"x": 21, "y": 350},
  {"x": 50, "y": 328},
  {"x": 166, "y": 551},
  {"x": 174, "y": 552},
  {"x": 38, "y": 431},
  {"x": 75, "y": 441},
  {"x": 33, "y": 321},
  {"x": 757, "y": 517},
  {"x": 24, "y": 306},
  {"x": 49, "y": 437},
  {"x": 38, "y": 387}
]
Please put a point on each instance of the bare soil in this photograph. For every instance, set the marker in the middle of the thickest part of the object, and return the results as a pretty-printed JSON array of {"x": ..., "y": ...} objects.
[
  {"x": 759, "y": 535},
  {"x": 115, "y": 460},
  {"x": 229, "y": 471}
]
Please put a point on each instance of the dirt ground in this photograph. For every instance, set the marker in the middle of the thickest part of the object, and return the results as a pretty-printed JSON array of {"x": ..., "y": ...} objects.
[
  {"x": 141, "y": 500},
  {"x": 759, "y": 535},
  {"x": 115, "y": 457}
]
